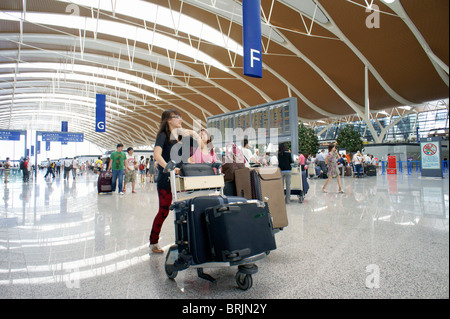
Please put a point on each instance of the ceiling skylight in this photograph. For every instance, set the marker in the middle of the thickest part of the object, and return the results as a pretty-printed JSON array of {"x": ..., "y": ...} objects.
[
  {"x": 307, "y": 7},
  {"x": 65, "y": 98},
  {"x": 81, "y": 78},
  {"x": 163, "y": 16},
  {"x": 86, "y": 69},
  {"x": 115, "y": 29}
]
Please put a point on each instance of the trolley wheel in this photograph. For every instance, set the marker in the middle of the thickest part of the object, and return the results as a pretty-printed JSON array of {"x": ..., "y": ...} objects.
[
  {"x": 244, "y": 281},
  {"x": 171, "y": 275}
]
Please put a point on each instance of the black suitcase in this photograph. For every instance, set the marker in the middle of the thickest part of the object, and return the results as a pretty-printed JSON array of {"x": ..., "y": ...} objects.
[
  {"x": 197, "y": 170},
  {"x": 371, "y": 170},
  {"x": 190, "y": 225},
  {"x": 239, "y": 230}
]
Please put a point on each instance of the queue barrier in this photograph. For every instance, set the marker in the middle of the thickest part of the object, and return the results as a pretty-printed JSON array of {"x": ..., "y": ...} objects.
[{"x": 411, "y": 165}]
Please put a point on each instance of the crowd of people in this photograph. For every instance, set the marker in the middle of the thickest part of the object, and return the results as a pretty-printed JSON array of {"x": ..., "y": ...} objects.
[{"x": 67, "y": 167}]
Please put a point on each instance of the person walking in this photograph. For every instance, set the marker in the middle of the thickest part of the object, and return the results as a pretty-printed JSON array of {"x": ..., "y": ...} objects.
[
  {"x": 117, "y": 167},
  {"x": 333, "y": 171},
  {"x": 142, "y": 168},
  {"x": 67, "y": 167},
  {"x": 23, "y": 168},
  {"x": 58, "y": 168},
  {"x": 321, "y": 161},
  {"x": 28, "y": 169},
  {"x": 169, "y": 134},
  {"x": 151, "y": 169},
  {"x": 75, "y": 167},
  {"x": 301, "y": 160},
  {"x": 358, "y": 161},
  {"x": 284, "y": 163},
  {"x": 50, "y": 168},
  {"x": 98, "y": 165},
  {"x": 7, "y": 167},
  {"x": 130, "y": 170}
]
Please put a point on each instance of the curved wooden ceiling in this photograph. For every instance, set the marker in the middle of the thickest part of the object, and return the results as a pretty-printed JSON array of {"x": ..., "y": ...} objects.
[{"x": 148, "y": 56}]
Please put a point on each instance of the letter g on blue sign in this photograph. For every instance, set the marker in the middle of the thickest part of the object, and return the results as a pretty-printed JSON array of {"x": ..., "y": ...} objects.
[
  {"x": 251, "y": 11},
  {"x": 100, "y": 113}
]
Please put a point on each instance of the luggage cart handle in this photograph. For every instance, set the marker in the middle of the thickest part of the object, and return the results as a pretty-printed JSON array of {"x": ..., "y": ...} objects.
[
  {"x": 217, "y": 165},
  {"x": 170, "y": 166}
]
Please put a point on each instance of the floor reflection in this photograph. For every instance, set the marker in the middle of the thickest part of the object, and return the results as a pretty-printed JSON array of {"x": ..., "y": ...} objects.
[{"x": 61, "y": 232}]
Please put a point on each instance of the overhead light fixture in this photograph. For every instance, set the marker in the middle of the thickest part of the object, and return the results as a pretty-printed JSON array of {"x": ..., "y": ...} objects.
[{"x": 389, "y": 1}]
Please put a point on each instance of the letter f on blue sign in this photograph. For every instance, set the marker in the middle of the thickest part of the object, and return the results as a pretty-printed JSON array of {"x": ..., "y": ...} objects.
[
  {"x": 251, "y": 11},
  {"x": 100, "y": 113}
]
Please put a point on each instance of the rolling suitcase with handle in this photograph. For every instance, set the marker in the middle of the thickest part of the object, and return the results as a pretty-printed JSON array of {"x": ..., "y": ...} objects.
[
  {"x": 267, "y": 186},
  {"x": 243, "y": 183},
  {"x": 104, "y": 182},
  {"x": 239, "y": 230},
  {"x": 190, "y": 225}
]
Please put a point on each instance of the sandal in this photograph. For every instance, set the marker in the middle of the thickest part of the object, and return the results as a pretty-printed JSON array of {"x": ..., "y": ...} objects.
[
  {"x": 156, "y": 249},
  {"x": 341, "y": 191},
  {"x": 323, "y": 190}
]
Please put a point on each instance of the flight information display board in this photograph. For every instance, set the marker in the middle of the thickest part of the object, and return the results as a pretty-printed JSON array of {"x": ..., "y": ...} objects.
[{"x": 273, "y": 122}]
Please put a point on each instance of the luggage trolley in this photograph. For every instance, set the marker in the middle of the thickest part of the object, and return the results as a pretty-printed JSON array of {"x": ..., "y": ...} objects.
[
  {"x": 189, "y": 188},
  {"x": 297, "y": 187}
]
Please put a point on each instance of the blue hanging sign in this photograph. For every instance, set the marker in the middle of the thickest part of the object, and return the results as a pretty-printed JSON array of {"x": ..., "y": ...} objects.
[
  {"x": 251, "y": 11},
  {"x": 64, "y": 126},
  {"x": 100, "y": 113},
  {"x": 62, "y": 137},
  {"x": 9, "y": 136}
]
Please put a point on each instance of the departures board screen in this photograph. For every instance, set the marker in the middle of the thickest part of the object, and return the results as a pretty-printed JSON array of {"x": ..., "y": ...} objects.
[{"x": 273, "y": 122}]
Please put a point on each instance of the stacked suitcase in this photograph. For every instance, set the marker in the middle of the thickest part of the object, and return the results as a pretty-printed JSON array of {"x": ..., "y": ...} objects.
[
  {"x": 216, "y": 230},
  {"x": 264, "y": 184}
]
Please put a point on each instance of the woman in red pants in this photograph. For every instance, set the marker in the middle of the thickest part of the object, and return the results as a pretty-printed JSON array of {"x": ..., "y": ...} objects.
[{"x": 170, "y": 134}]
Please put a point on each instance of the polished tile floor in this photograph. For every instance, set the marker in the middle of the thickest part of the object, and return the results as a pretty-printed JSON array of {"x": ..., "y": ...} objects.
[{"x": 386, "y": 237}]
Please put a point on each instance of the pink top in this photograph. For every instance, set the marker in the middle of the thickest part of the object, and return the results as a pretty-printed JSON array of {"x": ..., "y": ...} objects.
[
  {"x": 302, "y": 159},
  {"x": 200, "y": 157}
]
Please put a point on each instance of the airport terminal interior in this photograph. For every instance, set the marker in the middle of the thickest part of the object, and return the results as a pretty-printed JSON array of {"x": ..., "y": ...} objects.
[
  {"x": 78, "y": 77},
  {"x": 60, "y": 239}
]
